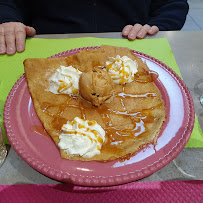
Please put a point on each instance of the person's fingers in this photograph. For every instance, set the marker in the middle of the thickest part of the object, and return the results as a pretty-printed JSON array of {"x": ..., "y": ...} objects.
[
  {"x": 126, "y": 30},
  {"x": 133, "y": 32},
  {"x": 10, "y": 40},
  {"x": 20, "y": 36},
  {"x": 142, "y": 33},
  {"x": 153, "y": 30},
  {"x": 30, "y": 31},
  {"x": 12, "y": 37},
  {"x": 2, "y": 41}
]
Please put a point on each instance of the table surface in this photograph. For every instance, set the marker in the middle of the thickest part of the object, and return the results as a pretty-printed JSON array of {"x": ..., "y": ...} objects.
[{"x": 187, "y": 47}]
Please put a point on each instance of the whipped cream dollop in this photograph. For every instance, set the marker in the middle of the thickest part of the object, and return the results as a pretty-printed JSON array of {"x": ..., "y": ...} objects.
[
  {"x": 65, "y": 81},
  {"x": 82, "y": 137},
  {"x": 121, "y": 69}
]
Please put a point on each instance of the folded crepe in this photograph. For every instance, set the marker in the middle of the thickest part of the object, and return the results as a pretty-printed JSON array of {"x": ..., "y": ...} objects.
[{"x": 131, "y": 117}]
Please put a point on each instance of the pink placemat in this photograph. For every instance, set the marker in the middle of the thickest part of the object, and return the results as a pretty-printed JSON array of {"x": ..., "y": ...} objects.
[{"x": 166, "y": 191}]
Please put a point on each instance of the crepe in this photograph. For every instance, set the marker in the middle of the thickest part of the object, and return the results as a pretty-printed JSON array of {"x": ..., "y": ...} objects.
[{"x": 132, "y": 118}]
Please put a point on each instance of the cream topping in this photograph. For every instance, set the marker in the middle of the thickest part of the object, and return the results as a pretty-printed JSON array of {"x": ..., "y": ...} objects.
[
  {"x": 65, "y": 81},
  {"x": 121, "y": 69},
  {"x": 82, "y": 137}
]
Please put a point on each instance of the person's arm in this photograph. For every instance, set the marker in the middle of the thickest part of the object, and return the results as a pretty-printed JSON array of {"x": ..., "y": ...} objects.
[
  {"x": 164, "y": 15},
  {"x": 168, "y": 15},
  {"x": 10, "y": 11},
  {"x": 13, "y": 17}
]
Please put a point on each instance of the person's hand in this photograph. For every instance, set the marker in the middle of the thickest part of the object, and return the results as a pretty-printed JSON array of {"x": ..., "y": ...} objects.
[
  {"x": 138, "y": 31},
  {"x": 12, "y": 37}
]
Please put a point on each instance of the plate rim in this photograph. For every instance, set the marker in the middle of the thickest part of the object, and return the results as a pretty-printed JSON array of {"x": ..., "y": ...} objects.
[{"x": 109, "y": 180}]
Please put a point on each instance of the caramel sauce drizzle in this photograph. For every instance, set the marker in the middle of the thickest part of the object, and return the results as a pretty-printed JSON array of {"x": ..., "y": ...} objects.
[
  {"x": 39, "y": 130},
  {"x": 115, "y": 136},
  {"x": 146, "y": 76}
]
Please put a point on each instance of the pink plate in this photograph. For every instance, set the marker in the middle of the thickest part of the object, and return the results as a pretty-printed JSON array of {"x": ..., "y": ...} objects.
[{"x": 40, "y": 152}]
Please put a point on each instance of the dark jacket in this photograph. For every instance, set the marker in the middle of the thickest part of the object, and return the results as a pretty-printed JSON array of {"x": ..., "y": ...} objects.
[{"x": 72, "y": 16}]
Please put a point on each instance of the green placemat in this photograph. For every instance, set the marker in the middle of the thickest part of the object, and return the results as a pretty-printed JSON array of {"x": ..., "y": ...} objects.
[{"x": 11, "y": 67}]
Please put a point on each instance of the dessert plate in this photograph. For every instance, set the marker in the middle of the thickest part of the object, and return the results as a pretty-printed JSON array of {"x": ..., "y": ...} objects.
[{"x": 31, "y": 142}]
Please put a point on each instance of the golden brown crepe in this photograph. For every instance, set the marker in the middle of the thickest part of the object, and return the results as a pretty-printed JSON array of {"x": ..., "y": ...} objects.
[{"x": 132, "y": 117}]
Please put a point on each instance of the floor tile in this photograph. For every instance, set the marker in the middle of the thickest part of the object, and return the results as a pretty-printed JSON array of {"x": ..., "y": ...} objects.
[
  {"x": 197, "y": 4},
  {"x": 194, "y": 1},
  {"x": 190, "y": 24},
  {"x": 197, "y": 16}
]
